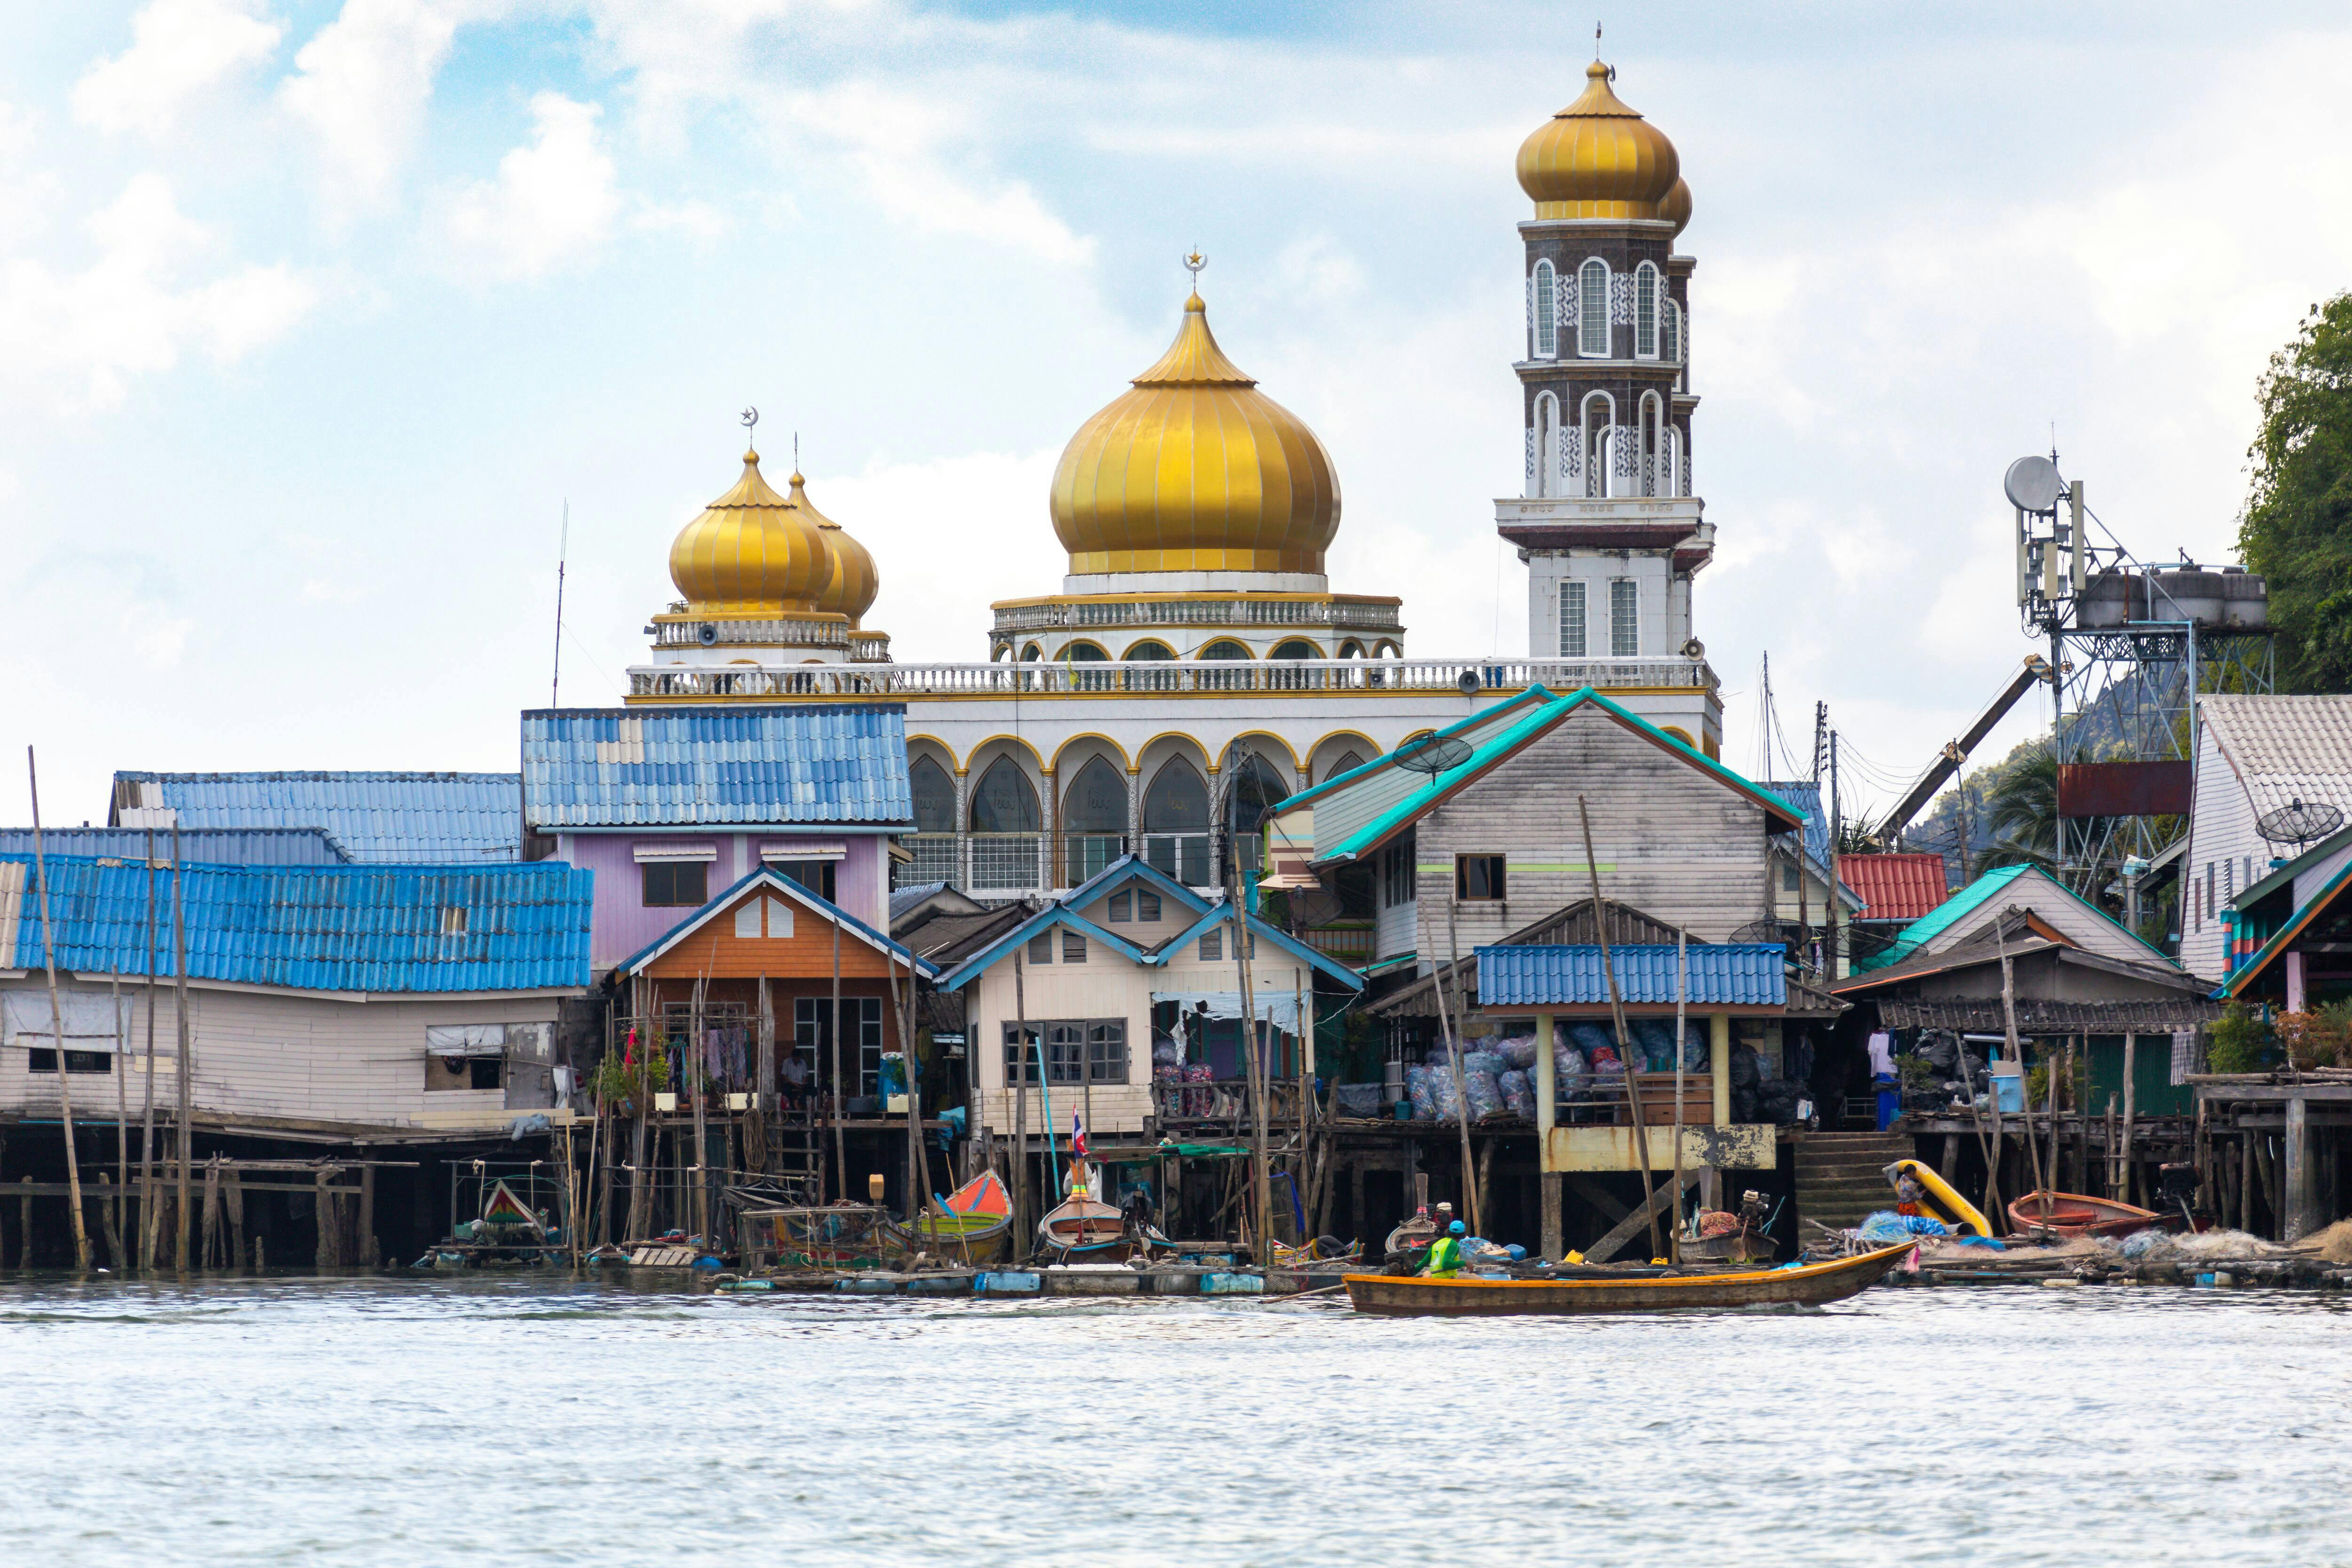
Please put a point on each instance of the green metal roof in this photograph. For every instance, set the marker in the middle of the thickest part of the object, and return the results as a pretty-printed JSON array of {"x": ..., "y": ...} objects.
[{"x": 1952, "y": 911}]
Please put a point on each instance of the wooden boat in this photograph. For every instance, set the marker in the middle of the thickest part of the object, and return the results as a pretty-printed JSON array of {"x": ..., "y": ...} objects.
[
  {"x": 971, "y": 1224},
  {"x": 1808, "y": 1285},
  {"x": 2075, "y": 1214},
  {"x": 1943, "y": 1203}
]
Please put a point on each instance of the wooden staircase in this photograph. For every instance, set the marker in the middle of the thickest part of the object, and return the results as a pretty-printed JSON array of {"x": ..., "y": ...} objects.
[{"x": 1841, "y": 1175}]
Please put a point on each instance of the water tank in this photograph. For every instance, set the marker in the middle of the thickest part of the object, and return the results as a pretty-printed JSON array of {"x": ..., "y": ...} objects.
[{"x": 2218, "y": 599}]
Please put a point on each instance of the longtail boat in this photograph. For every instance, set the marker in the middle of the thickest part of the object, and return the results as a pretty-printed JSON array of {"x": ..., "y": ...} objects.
[
  {"x": 1085, "y": 1228},
  {"x": 2071, "y": 1214},
  {"x": 971, "y": 1224},
  {"x": 1806, "y": 1285}
]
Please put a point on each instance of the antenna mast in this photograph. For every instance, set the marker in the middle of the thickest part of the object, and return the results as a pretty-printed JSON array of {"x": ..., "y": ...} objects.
[{"x": 563, "y": 551}]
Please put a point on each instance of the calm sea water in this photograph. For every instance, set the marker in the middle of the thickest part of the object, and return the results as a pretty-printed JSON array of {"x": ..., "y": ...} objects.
[{"x": 436, "y": 1421}]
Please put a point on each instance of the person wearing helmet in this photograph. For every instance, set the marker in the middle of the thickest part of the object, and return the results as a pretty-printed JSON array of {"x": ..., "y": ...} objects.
[{"x": 1446, "y": 1253}]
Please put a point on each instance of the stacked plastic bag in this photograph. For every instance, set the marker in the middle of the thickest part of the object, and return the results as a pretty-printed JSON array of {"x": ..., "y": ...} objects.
[
  {"x": 1480, "y": 1088},
  {"x": 1519, "y": 1093},
  {"x": 1418, "y": 1090}
]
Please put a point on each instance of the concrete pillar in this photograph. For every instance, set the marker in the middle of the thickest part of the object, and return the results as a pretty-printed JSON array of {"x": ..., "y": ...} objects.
[
  {"x": 2295, "y": 1179},
  {"x": 1719, "y": 1062},
  {"x": 1547, "y": 1180}
]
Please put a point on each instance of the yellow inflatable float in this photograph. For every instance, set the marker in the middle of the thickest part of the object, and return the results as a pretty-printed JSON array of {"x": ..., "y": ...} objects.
[{"x": 1942, "y": 1202}]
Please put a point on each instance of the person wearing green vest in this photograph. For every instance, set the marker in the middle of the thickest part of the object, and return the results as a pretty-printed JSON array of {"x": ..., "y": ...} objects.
[{"x": 1446, "y": 1253}]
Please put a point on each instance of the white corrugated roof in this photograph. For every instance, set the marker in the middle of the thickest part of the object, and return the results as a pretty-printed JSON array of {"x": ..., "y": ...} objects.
[{"x": 2285, "y": 748}]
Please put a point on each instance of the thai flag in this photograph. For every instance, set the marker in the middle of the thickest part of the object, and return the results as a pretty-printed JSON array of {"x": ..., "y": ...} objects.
[{"x": 1077, "y": 1135}]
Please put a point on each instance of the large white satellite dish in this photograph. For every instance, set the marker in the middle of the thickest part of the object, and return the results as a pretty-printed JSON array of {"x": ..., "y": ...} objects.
[{"x": 2033, "y": 485}]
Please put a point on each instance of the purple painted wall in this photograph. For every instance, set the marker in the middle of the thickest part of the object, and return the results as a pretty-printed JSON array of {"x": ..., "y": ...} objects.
[{"x": 622, "y": 924}]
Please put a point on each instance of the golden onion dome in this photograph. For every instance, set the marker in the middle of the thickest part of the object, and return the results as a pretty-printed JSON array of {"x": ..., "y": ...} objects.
[
  {"x": 1194, "y": 469},
  {"x": 752, "y": 553},
  {"x": 1675, "y": 208},
  {"x": 850, "y": 589},
  {"x": 1597, "y": 159}
]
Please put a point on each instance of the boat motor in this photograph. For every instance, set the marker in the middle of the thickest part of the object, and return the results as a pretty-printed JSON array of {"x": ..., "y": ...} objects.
[{"x": 2177, "y": 1184}]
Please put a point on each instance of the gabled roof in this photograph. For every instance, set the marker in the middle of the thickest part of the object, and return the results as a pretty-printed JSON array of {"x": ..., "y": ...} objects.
[
  {"x": 2285, "y": 749},
  {"x": 377, "y": 929},
  {"x": 946, "y": 940},
  {"x": 1806, "y": 796},
  {"x": 1731, "y": 974},
  {"x": 2313, "y": 908},
  {"x": 924, "y": 901},
  {"x": 835, "y": 763},
  {"x": 776, "y": 881},
  {"x": 1895, "y": 887},
  {"x": 2017, "y": 940},
  {"x": 2285, "y": 877},
  {"x": 1064, "y": 912},
  {"x": 2007, "y": 884},
  {"x": 1362, "y": 809},
  {"x": 412, "y": 818},
  {"x": 199, "y": 845}
]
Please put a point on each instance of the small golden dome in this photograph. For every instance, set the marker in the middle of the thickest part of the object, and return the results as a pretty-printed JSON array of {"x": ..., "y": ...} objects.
[
  {"x": 752, "y": 553},
  {"x": 1676, "y": 206},
  {"x": 1195, "y": 470},
  {"x": 850, "y": 590},
  {"x": 1597, "y": 159}
]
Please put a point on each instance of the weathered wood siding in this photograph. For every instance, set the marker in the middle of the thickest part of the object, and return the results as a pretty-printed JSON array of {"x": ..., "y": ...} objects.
[
  {"x": 2222, "y": 839},
  {"x": 1672, "y": 841},
  {"x": 719, "y": 952},
  {"x": 279, "y": 1053}
]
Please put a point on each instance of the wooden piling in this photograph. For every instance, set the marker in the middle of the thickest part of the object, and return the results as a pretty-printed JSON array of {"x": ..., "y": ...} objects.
[
  {"x": 180, "y": 993},
  {"x": 368, "y": 1252},
  {"x": 25, "y": 1227},
  {"x": 57, "y": 1025},
  {"x": 232, "y": 1204},
  {"x": 110, "y": 1214}
]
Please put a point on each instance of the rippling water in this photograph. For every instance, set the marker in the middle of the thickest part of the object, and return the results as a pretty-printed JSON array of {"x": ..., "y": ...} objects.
[{"x": 436, "y": 1421}]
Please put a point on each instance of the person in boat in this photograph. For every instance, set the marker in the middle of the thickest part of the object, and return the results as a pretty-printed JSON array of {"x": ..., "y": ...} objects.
[
  {"x": 1446, "y": 1253},
  {"x": 1910, "y": 1194}
]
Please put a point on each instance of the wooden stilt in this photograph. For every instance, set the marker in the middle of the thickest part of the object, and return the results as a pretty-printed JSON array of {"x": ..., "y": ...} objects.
[
  {"x": 232, "y": 1204},
  {"x": 109, "y": 1214},
  {"x": 25, "y": 1229},
  {"x": 368, "y": 1250}
]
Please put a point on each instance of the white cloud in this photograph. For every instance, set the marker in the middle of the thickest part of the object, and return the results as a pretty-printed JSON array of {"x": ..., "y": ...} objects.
[
  {"x": 158, "y": 638},
  {"x": 555, "y": 199},
  {"x": 178, "y": 47},
  {"x": 78, "y": 338},
  {"x": 361, "y": 84}
]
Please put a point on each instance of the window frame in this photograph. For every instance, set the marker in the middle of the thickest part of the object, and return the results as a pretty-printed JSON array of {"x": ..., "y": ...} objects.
[
  {"x": 1575, "y": 588},
  {"x": 796, "y": 872},
  {"x": 1119, "y": 910},
  {"x": 1078, "y": 1051},
  {"x": 1041, "y": 948},
  {"x": 1491, "y": 870},
  {"x": 1546, "y": 309},
  {"x": 1591, "y": 304},
  {"x": 673, "y": 870},
  {"x": 1625, "y": 594},
  {"x": 1074, "y": 946},
  {"x": 1646, "y": 294}
]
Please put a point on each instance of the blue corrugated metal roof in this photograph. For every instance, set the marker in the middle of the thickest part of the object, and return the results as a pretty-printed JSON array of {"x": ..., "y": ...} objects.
[
  {"x": 322, "y": 927},
  {"x": 1806, "y": 796},
  {"x": 201, "y": 846},
  {"x": 1733, "y": 974},
  {"x": 809, "y": 763},
  {"x": 418, "y": 818}
]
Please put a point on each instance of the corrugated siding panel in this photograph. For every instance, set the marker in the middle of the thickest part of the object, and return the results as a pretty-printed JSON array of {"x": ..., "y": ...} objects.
[
  {"x": 203, "y": 845},
  {"x": 808, "y": 763},
  {"x": 1749, "y": 974},
  {"x": 415, "y": 818},
  {"x": 347, "y": 928}
]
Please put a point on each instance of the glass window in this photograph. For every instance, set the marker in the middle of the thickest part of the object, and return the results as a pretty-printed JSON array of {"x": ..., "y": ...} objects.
[
  {"x": 1571, "y": 620},
  {"x": 1624, "y": 618},
  {"x": 862, "y": 1037},
  {"x": 1085, "y": 653},
  {"x": 1672, "y": 320},
  {"x": 816, "y": 876},
  {"x": 675, "y": 884},
  {"x": 934, "y": 795},
  {"x": 1149, "y": 652},
  {"x": 1096, "y": 801},
  {"x": 1547, "y": 325},
  {"x": 1005, "y": 802},
  {"x": 1224, "y": 647},
  {"x": 1592, "y": 309},
  {"x": 1546, "y": 445},
  {"x": 1478, "y": 877},
  {"x": 1077, "y": 1050},
  {"x": 1294, "y": 649},
  {"x": 1349, "y": 763},
  {"x": 1788, "y": 878},
  {"x": 1176, "y": 824},
  {"x": 1646, "y": 311},
  {"x": 40, "y": 1059}
]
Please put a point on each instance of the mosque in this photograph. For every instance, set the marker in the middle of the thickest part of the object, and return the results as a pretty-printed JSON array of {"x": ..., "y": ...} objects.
[{"x": 1196, "y": 663}]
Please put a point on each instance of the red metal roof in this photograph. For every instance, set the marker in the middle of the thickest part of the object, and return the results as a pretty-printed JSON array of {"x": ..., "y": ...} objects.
[{"x": 1893, "y": 887}]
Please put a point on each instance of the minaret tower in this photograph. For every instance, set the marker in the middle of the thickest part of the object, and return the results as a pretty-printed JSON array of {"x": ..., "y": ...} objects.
[{"x": 1606, "y": 521}]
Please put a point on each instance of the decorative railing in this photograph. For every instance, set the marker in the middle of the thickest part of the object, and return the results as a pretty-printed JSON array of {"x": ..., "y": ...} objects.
[
  {"x": 1345, "y": 613},
  {"x": 758, "y": 634},
  {"x": 1217, "y": 676}
]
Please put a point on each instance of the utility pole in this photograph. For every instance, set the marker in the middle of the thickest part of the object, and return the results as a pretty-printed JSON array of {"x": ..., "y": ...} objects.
[
  {"x": 180, "y": 977},
  {"x": 1837, "y": 831}
]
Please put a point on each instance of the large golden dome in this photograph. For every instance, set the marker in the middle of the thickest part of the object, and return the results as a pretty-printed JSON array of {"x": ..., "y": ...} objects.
[
  {"x": 853, "y": 580},
  {"x": 1195, "y": 470},
  {"x": 1597, "y": 159},
  {"x": 752, "y": 553}
]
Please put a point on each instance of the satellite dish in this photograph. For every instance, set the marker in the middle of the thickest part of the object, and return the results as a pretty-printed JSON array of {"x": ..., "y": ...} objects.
[
  {"x": 1434, "y": 755},
  {"x": 1788, "y": 934},
  {"x": 2299, "y": 822},
  {"x": 2032, "y": 484},
  {"x": 1313, "y": 908}
]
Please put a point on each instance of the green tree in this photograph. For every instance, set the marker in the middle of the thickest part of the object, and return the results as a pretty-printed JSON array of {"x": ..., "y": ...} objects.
[
  {"x": 2297, "y": 526},
  {"x": 2021, "y": 809}
]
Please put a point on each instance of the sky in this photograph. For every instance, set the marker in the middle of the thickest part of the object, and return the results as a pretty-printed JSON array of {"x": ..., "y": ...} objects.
[{"x": 318, "y": 316}]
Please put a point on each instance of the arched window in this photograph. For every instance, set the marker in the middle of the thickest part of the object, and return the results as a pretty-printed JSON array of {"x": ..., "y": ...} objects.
[
  {"x": 1094, "y": 820},
  {"x": 1005, "y": 825},
  {"x": 1546, "y": 313},
  {"x": 1352, "y": 649},
  {"x": 1176, "y": 824},
  {"x": 1598, "y": 415},
  {"x": 1652, "y": 474},
  {"x": 1224, "y": 647},
  {"x": 1672, "y": 320},
  {"x": 1294, "y": 647},
  {"x": 1084, "y": 653},
  {"x": 1646, "y": 311},
  {"x": 1592, "y": 309},
  {"x": 1005, "y": 801},
  {"x": 1147, "y": 650},
  {"x": 1546, "y": 445},
  {"x": 1032, "y": 654},
  {"x": 1349, "y": 762},
  {"x": 1252, "y": 788},
  {"x": 934, "y": 795}
]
